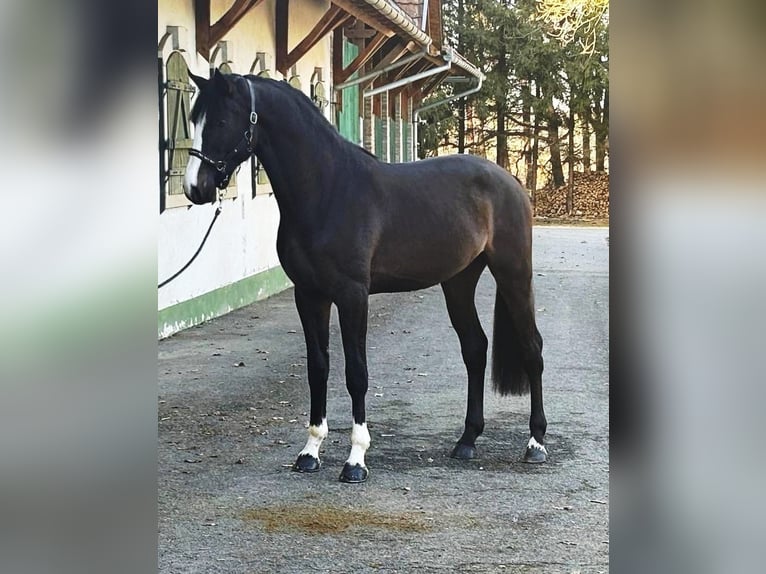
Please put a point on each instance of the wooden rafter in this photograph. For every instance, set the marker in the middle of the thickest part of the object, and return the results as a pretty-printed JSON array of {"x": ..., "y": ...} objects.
[
  {"x": 202, "y": 27},
  {"x": 434, "y": 81},
  {"x": 207, "y": 35},
  {"x": 354, "y": 32},
  {"x": 230, "y": 19},
  {"x": 330, "y": 20},
  {"x": 350, "y": 7},
  {"x": 419, "y": 66},
  {"x": 409, "y": 70},
  {"x": 337, "y": 54},
  {"x": 435, "y": 22},
  {"x": 392, "y": 55},
  {"x": 372, "y": 46}
]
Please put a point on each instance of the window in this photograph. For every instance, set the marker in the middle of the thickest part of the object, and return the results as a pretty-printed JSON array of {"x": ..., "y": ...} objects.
[{"x": 175, "y": 139}]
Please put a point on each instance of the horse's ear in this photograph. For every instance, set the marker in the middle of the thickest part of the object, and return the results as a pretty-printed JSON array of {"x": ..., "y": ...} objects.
[
  {"x": 222, "y": 82},
  {"x": 199, "y": 80}
]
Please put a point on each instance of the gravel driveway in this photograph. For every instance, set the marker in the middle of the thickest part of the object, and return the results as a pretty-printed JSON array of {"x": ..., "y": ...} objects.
[{"x": 233, "y": 409}]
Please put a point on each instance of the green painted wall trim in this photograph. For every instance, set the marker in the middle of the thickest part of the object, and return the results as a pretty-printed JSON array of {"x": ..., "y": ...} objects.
[
  {"x": 348, "y": 118},
  {"x": 221, "y": 301}
]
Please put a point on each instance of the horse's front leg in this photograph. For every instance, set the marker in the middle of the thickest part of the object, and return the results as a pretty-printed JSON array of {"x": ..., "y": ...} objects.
[
  {"x": 314, "y": 312},
  {"x": 352, "y": 313}
]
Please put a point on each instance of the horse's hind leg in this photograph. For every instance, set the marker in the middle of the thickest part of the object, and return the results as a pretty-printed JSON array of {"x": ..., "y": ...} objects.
[
  {"x": 459, "y": 293},
  {"x": 517, "y": 360}
]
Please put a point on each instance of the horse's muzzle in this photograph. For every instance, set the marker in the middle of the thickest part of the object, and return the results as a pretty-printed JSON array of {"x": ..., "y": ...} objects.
[{"x": 195, "y": 195}]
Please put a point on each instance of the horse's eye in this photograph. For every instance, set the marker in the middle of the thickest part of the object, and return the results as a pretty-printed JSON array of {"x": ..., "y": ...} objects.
[{"x": 221, "y": 123}]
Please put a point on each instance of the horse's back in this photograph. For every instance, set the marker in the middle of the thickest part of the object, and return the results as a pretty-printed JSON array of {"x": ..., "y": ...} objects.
[{"x": 437, "y": 215}]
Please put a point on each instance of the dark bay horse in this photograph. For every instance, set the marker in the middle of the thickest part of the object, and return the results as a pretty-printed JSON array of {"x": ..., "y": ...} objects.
[{"x": 351, "y": 226}]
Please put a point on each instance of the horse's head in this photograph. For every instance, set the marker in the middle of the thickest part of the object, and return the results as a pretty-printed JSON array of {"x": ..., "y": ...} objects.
[{"x": 224, "y": 134}]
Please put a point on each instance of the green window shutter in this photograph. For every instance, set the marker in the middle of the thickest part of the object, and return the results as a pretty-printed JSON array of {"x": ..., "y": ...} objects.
[
  {"x": 391, "y": 139},
  {"x": 179, "y": 140},
  {"x": 406, "y": 152},
  {"x": 295, "y": 82},
  {"x": 379, "y": 138},
  {"x": 348, "y": 118}
]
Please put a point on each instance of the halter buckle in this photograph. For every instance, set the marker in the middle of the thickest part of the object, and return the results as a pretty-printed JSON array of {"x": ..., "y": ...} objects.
[{"x": 253, "y": 118}]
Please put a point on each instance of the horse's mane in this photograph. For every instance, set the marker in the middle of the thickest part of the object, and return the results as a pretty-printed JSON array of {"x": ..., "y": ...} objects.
[
  {"x": 307, "y": 110},
  {"x": 300, "y": 103}
]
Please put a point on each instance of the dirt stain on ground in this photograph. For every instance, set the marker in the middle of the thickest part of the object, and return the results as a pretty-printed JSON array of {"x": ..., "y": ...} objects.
[{"x": 317, "y": 519}]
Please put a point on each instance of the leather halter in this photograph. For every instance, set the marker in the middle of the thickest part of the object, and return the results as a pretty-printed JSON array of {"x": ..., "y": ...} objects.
[{"x": 222, "y": 166}]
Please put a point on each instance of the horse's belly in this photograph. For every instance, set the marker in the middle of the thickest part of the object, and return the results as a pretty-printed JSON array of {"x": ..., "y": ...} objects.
[
  {"x": 413, "y": 269},
  {"x": 382, "y": 283}
]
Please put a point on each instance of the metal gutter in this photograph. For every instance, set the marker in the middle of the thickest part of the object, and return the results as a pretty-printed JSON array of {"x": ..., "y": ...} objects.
[
  {"x": 410, "y": 79},
  {"x": 416, "y": 113},
  {"x": 375, "y": 73},
  {"x": 461, "y": 62}
]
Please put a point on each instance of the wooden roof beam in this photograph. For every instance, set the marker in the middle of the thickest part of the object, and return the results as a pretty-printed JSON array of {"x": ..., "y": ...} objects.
[
  {"x": 360, "y": 14},
  {"x": 202, "y": 27},
  {"x": 330, "y": 20},
  {"x": 230, "y": 19},
  {"x": 372, "y": 46},
  {"x": 431, "y": 84},
  {"x": 208, "y": 36}
]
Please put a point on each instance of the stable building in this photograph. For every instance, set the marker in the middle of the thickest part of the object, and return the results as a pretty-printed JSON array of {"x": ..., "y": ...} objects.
[{"x": 366, "y": 64}]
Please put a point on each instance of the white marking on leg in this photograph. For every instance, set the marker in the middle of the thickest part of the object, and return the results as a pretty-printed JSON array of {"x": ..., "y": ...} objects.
[
  {"x": 192, "y": 168},
  {"x": 534, "y": 444},
  {"x": 360, "y": 442},
  {"x": 316, "y": 435}
]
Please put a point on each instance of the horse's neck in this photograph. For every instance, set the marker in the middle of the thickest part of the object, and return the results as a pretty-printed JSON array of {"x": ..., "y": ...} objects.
[{"x": 298, "y": 162}]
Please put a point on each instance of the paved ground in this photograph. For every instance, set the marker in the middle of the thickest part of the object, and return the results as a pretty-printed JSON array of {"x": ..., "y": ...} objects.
[{"x": 227, "y": 435}]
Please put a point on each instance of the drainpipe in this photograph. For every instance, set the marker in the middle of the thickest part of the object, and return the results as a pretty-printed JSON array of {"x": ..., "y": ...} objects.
[
  {"x": 416, "y": 113},
  {"x": 372, "y": 75},
  {"x": 402, "y": 82},
  {"x": 410, "y": 79}
]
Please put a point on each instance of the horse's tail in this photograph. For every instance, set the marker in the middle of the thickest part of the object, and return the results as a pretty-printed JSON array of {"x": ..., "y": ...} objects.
[{"x": 508, "y": 373}]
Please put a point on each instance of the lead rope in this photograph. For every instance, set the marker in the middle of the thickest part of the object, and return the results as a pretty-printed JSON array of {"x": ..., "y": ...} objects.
[{"x": 199, "y": 249}]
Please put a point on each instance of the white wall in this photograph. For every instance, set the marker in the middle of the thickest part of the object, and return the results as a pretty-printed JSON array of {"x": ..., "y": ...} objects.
[{"x": 243, "y": 241}]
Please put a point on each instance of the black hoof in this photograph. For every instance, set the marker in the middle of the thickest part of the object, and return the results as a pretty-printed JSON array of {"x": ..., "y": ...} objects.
[
  {"x": 353, "y": 474},
  {"x": 535, "y": 455},
  {"x": 306, "y": 463},
  {"x": 463, "y": 451}
]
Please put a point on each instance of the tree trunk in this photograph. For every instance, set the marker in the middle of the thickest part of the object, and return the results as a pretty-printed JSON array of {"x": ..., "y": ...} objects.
[
  {"x": 601, "y": 134},
  {"x": 526, "y": 116},
  {"x": 601, "y": 129},
  {"x": 461, "y": 105},
  {"x": 557, "y": 170},
  {"x": 571, "y": 159},
  {"x": 600, "y": 149},
  {"x": 585, "y": 142},
  {"x": 502, "y": 138},
  {"x": 535, "y": 151}
]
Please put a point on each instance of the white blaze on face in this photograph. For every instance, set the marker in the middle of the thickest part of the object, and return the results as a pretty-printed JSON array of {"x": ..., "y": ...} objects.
[
  {"x": 192, "y": 168},
  {"x": 360, "y": 442},
  {"x": 316, "y": 435}
]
